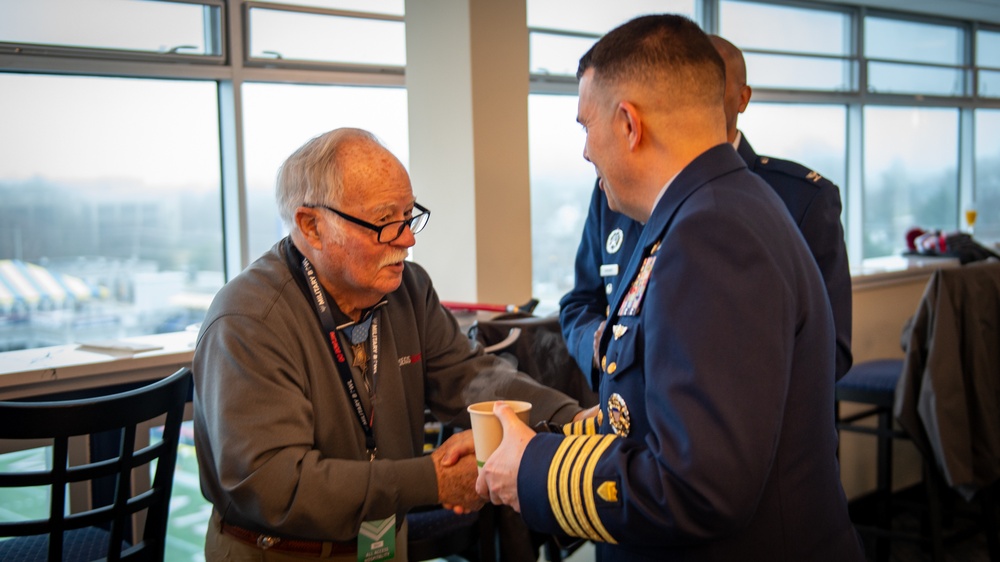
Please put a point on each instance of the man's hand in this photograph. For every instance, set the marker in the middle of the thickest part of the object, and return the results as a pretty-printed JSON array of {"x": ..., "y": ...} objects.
[
  {"x": 597, "y": 344},
  {"x": 498, "y": 478},
  {"x": 455, "y": 465},
  {"x": 588, "y": 413}
]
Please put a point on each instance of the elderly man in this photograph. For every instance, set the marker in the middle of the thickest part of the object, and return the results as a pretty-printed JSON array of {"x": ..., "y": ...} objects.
[
  {"x": 716, "y": 439},
  {"x": 314, "y": 366},
  {"x": 609, "y": 238}
]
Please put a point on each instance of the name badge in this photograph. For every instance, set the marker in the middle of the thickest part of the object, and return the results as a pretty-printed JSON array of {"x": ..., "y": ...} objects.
[
  {"x": 377, "y": 540},
  {"x": 609, "y": 269}
]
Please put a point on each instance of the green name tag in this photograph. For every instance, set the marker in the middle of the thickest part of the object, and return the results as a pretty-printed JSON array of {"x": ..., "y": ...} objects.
[{"x": 377, "y": 540}]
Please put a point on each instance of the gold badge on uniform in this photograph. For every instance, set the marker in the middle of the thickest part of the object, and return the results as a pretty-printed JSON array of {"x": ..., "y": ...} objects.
[
  {"x": 618, "y": 415},
  {"x": 619, "y": 330},
  {"x": 608, "y": 491}
]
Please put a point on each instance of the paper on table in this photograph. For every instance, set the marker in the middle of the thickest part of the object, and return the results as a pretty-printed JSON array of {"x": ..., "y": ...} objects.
[{"x": 116, "y": 347}]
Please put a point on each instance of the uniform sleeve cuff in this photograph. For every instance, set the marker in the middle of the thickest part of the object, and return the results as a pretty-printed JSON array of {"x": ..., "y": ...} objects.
[{"x": 532, "y": 482}]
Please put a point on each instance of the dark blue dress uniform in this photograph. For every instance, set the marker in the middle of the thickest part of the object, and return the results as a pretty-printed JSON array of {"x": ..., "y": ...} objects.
[
  {"x": 814, "y": 203},
  {"x": 609, "y": 238},
  {"x": 716, "y": 440}
]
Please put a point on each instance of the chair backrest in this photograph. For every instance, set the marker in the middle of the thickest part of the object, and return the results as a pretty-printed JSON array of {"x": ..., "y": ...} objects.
[
  {"x": 118, "y": 415},
  {"x": 539, "y": 351}
]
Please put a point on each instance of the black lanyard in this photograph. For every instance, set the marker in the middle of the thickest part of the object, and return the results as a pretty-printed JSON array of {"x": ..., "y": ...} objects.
[{"x": 321, "y": 301}]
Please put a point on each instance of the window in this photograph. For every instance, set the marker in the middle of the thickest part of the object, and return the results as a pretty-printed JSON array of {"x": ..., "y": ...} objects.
[
  {"x": 111, "y": 221},
  {"x": 113, "y": 185},
  {"x": 151, "y": 27},
  {"x": 910, "y": 174},
  {"x": 561, "y": 185},
  {"x": 355, "y": 39},
  {"x": 909, "y": 57},
  {"x": 988, "y": 61},
  {"x": 812, "y": 135},
  {"x": 279, "y": 118},
  {"x": 388, "y": 7},
  {"x": 791, "y": 48},
  {"x": 560, "y": 32},
  {"x": 889, "y": 137},
  {"x": 987, "y": 179}
]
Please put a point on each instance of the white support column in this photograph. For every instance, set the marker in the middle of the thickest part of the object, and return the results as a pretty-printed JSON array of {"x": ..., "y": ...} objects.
[{"x": 467, "y": 86}]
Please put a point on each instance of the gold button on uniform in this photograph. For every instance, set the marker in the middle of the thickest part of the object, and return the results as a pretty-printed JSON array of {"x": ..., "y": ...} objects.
[{"x": 611, "y": 368}]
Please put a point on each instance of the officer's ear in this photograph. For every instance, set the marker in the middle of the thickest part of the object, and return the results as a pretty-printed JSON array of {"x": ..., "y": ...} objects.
[
  {"x": 628, "y": 119},
  {"x": 745, "y": 93}
]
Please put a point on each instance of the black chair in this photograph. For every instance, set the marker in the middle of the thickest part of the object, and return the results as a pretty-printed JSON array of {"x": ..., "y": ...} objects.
[
  {"x": 439, "y": 533},
  {"x": 944, "y": 398},
  {"x": 535, "y": 345},
  {"x": 102, "y": 530},
  {"x": 873, "y": 383}
]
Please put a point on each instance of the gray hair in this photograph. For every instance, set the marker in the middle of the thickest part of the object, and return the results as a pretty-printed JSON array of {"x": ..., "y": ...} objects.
[{"x": 313, "y": 174}]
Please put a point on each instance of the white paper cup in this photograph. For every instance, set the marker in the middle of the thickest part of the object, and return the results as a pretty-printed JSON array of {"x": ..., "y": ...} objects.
[{"x": 487, "y": 432}]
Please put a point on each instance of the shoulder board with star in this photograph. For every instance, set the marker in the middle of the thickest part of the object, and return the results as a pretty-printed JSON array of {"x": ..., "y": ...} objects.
[{"x": 766, "y": 164}]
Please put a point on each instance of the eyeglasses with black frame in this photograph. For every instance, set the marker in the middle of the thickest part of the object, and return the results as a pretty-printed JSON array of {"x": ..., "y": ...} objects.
[{"x": 385, "y": 232}]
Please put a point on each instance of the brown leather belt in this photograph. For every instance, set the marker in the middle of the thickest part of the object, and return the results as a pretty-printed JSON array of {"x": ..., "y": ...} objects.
[{"x": 293, "y": 546}]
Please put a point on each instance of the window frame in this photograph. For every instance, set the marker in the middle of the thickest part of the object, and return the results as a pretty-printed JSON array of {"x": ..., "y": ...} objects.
[
  {"x": 216, "y": 35},
  {"x": 229, "y": 71}
]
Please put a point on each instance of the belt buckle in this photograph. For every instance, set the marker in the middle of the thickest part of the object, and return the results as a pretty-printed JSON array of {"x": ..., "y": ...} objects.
[{"x": 265, "y": 542}]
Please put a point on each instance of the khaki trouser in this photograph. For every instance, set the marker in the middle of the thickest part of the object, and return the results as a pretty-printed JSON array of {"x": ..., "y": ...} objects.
[{"x": 220, "y": 547}]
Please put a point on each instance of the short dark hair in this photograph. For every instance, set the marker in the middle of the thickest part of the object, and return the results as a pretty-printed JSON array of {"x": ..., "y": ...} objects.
[{"x": 659, "y": 49}]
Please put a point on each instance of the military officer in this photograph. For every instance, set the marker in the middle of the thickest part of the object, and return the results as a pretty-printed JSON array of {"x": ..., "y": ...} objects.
[
  {"x": 716, "y": 440},
  {"x": 608, "y": 241},
  {"x": 813, "y": 201}
]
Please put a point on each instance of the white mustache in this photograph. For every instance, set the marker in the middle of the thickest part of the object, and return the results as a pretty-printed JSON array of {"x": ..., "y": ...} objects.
[{"x": 395, "y": 258}]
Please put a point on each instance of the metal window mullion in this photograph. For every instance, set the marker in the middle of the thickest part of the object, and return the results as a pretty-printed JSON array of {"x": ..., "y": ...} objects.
[
  {"x": 113, "y": 68},
  {"x": 564, "y": 33},
  {"x": 327, "y": 76},
  {"x": 966, "y": 160},
  {"x": 796, "y": 54},
  {"x": 215, "y": 30},
  {"x": 60, "y": 52},
  {"x": 854, "y": 198},
  {"x": 235, "y": 227},
  {"x": 321, "y": 11},
  {"x": 854, "y": 220},
  {"x": 707, "y": 12}
]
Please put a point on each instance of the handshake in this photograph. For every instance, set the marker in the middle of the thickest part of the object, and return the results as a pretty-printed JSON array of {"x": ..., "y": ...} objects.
[{"x": 481, "y": 464}]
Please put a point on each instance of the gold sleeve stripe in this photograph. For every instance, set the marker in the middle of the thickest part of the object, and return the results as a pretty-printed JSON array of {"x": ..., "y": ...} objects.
[
  {"x": 557, "y": 461},
  {"x": 580, "y": 513},
  {"x": 571, "y": 486},
  {"x": 588, "y": 488},
  {"x": 566, "y": 495},
  {"x": 589, "y": 426}
]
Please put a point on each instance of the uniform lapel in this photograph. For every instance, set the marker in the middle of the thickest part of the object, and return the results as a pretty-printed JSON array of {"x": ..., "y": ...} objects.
[{"x": 714, "y": 162}]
